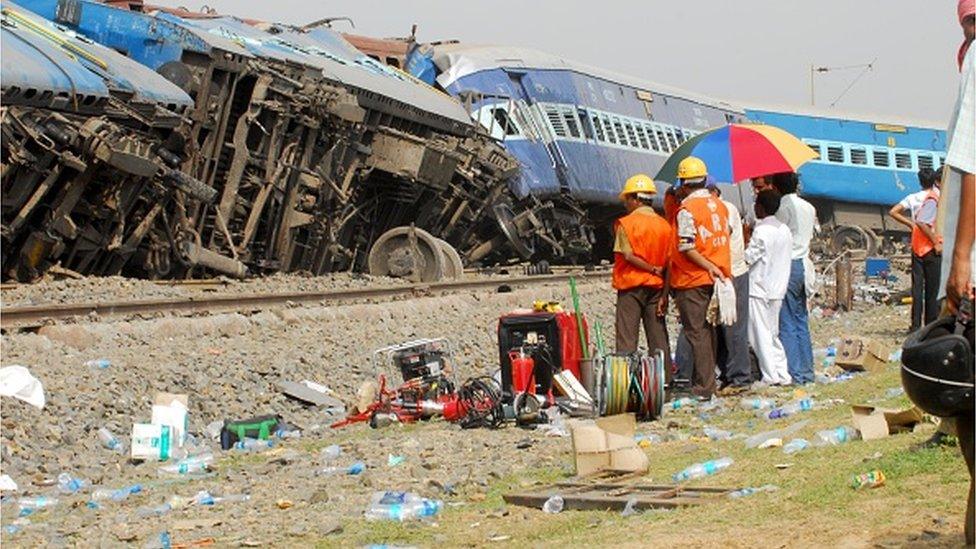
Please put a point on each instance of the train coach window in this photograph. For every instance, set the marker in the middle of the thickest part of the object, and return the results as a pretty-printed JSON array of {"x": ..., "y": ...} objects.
[
  {"x": 924, "y": 161},
  {"x": 672, "y": 140},
  {"x": 555, "y": 120},
  {"x": 881, "y": 158},
  {"x": 504, "y": 122},
  {"x": 618, "y": 126},
  {"x": 835, "y": 153},
  {"x": 608, "y": 129},
  {"x": 572, "y": 126},
  {"x": 641, "y": 136},
  {"x": 903, "y": 160},
  {"x": 859, "y": 156},
  {"x": 631, "y": 134},
  {"x": 941, "y": 161},
  {"x": 815, "y": 147},
  {"x": 597, "y": 127},
  {"x": 661, "y": 139}
]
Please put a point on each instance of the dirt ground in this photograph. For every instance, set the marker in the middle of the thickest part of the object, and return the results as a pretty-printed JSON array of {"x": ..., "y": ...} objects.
[{"x": 230, "y": 365}]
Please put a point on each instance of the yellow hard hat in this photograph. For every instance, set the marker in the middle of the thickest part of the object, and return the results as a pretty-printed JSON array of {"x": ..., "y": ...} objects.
[
  {"x": 692, "y": 168},
  {"x": 639, "y": 183}
]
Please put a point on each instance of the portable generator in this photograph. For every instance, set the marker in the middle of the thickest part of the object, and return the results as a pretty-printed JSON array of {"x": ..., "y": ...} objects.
[
  {"x": 424, "y": 365},
  {"x": 538, "y": 345}
]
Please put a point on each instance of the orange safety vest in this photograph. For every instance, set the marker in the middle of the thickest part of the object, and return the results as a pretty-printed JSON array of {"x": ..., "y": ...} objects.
[
  {"x": 650, "y": 239},
  {"x": 711, "y": 240},
  {"x": 921, "y": 243}
]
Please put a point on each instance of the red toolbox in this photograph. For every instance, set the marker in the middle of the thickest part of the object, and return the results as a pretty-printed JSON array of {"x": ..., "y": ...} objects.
[{"x": 551, "y": 339}]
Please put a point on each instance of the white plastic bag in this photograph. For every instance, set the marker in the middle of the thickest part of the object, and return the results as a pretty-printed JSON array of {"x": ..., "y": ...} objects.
[{"x": 17, "y": 382}]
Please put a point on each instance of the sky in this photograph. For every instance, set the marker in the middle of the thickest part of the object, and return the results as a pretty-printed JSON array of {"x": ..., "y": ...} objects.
[{"x": 753, "y": 51}]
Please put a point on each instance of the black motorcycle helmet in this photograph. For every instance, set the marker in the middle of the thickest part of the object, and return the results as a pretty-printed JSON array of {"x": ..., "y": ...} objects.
[{"x": 937, "y": 369}]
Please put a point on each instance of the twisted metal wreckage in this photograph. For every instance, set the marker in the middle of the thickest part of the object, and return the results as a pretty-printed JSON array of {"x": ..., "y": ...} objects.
[{"x": 217, "y": 145}]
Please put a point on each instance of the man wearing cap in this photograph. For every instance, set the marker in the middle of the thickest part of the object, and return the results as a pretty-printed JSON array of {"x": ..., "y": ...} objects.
[
  {"x": 642, "y": 252},
  {"x": 703, "y": 255}
]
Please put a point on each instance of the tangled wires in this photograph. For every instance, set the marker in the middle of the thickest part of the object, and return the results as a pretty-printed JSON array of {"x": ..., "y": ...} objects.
[{"x": 481, "y": 398}]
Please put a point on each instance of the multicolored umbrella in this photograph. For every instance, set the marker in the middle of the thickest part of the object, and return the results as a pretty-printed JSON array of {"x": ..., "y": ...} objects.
[{"x": 738, "y": 152}]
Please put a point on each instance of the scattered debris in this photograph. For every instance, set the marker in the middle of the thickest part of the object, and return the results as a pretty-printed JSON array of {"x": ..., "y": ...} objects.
[
  {"x": 874, "y": 423},
  {"x": 17, "y": 382},
  {"x": 402, "y": 506},
  {"x": 607, "y": 445},
  {"x": 578, "y": 496},
  {"x": 872, "y": 479}
]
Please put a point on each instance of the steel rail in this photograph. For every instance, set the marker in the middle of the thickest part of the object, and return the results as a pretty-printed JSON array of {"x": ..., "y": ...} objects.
[{"x": 34, "y": 316}]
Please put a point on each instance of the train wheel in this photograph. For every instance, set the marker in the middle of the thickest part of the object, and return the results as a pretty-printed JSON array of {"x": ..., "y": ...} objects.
[
  {"x": 407, "y": 252},
  {"x": 453, "y": 268},
  {"x": 853, "y": 238}
]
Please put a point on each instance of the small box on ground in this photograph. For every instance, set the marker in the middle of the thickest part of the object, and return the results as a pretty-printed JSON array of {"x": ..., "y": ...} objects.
[
  {"x": 151, "y": 441},
  {"x": 875, "y": 423},
  {"x": 860, "y": 354},
  {"x": 607, "y": 445},
  {"x": 877, "y": 266},
  {"x": 171, "y": 409}
]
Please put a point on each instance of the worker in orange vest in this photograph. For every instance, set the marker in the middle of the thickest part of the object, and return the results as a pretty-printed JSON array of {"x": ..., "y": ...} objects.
[
  {"x": 642, "y": 252},
  {"x": 926, "y": 255},
  {"x": 703, "y": 255}
]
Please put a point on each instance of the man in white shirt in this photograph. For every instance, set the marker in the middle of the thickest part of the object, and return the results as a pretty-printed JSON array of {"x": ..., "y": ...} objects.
[
  {"x": 956, "y": 221},
  {"x": 732, "y": 352},
  {"x": 794, "y": 323},
  {"x": 769, "y": 256}
]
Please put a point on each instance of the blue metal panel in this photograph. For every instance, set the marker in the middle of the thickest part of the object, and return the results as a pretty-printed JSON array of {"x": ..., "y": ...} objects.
[
  {"x": 31, "y": 65},
  {"x": 149, "y": 40},
  {"x": 420, "y": 65}
]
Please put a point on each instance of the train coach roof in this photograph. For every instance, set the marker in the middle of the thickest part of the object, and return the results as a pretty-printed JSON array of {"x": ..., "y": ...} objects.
[
  {"x": 832, "y": 114},
  {"x": 119, "y": 73},
  {"x": 339, "y": 61},
  {"x": 459, "y": 60}
]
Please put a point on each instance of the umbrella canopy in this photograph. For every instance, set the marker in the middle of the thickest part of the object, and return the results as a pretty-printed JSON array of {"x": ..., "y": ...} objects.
[{"x": 740, "y": 151}]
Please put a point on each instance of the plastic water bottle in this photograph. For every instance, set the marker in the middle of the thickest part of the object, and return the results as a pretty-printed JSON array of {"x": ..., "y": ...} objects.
[
  {"x": 28, "y": 505},
  {"x": 750, "y": 491},
  {"x": 203, "y": 497},
  {"x": 756, "y": 403},
  {"x": 894, "y": 392},
  {"x": 110, "y": 441},
  {"x": 717, "y": 434},
  {"x": 188, "y": 466},
  {"x": 802, "y": 405},
  {"x": 287, "y": 433},
  {"x": 682, "y": 402},
  {"x": 795, "y": 445},
  {"x": 353, "y": 469},
  {"x": 699, "y": 470},
  {"x": 162, "y": 541},
  {"x": 232, "y": 498},
  {"x": 104, "y": 494},
  {"x": 253, "y": 445},
  {"x": 553, "y": 505},
  {"x": 68, "y": 484},
  {"x": 154, "y": 511},
  {"x": 332, "y": 452},
  {"x": 100, "y": 363},
  {"x": 401, "y": 506},
  {"x": 833, "y": 437}
]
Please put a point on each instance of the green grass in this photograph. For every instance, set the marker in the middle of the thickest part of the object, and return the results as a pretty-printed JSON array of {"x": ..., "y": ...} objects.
[{"x": 813, "y": 506}]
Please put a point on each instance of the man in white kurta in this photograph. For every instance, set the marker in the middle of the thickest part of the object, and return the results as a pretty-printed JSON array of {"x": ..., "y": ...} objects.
[{"x": 768, "y": 255}]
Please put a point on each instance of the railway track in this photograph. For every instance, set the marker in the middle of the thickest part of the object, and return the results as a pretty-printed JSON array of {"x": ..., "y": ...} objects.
[{"x": 35, "y": 316}]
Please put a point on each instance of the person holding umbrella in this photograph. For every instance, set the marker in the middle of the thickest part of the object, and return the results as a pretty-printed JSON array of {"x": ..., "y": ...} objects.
[
  {"x": 703, "y": 256},
  {"x": 642, "y": 252}
]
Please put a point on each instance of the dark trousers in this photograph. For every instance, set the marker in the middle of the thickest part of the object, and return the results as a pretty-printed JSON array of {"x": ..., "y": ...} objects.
[
  {"x": 692, "y": 308},
  {"x": 925, "y": 288},
  {"x": 638, "y": 306},
  {"x": 732, "y": 349}
]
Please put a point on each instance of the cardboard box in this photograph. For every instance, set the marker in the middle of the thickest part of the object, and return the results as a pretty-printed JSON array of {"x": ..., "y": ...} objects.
[
  {"x": 607, "y": 445},
  {"x": 171, "y": 410},
  {"x": 151, "y": 441},
  {"x": 875, "y": 423},
  {"x": 858, "y": 355}
]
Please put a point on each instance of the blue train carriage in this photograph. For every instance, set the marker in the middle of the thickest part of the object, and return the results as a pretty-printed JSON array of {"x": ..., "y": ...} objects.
[
  {"x": 865, "y": 167},
  {"x": 578, "y": 131}
]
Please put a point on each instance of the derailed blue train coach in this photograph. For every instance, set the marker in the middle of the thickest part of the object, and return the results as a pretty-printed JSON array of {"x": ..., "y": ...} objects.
[{"x": 579, "y": 131}]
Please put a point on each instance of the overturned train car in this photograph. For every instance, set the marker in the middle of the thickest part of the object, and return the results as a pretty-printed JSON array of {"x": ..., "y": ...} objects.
[{"x": 269, "y": 148}]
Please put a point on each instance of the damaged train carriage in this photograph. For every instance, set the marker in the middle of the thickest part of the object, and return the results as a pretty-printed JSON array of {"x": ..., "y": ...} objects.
[
  {"x": 318, "y": 155},
  {"x": 90, "y": 172}
]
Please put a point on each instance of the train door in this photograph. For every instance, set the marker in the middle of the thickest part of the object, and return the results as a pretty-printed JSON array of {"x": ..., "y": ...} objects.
[{"x": 521, "y": 83}]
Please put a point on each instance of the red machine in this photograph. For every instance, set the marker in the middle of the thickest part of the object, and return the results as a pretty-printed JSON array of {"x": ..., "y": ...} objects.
[{"x": 537, "y": 344}]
